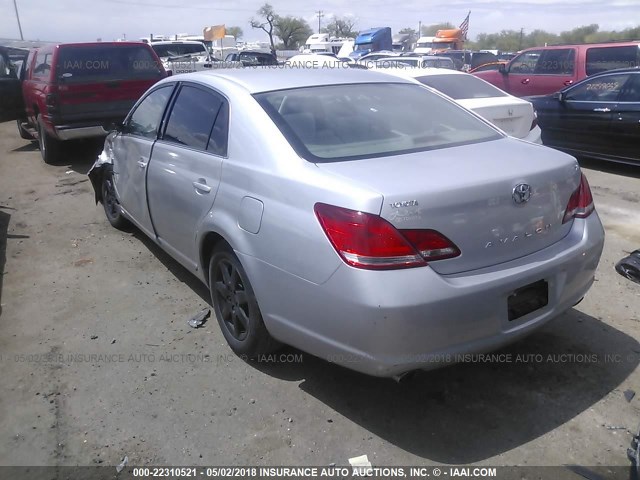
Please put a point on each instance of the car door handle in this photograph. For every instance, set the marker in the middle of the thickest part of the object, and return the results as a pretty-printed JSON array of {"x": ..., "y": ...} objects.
[
  {"x": 525, "y": 81},
  {"x": 201, "y": 185},
  {"x": 567, "y": 83},
  {"x": 142, "y": 163},
  {"x": 605, "y": 109}
]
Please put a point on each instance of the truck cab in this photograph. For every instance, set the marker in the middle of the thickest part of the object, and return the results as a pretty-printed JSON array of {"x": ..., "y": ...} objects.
[
  {"x": 372, "y": 40},
  {"x": 449, "y": 39}
]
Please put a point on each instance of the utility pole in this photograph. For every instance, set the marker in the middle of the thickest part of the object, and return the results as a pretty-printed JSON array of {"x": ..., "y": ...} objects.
[
  {"x": 520, "y": 42},
  {"x": 15, "y": 5},
  {"x": 320, "y": 14},
  {"x": 419, "y": 28}
]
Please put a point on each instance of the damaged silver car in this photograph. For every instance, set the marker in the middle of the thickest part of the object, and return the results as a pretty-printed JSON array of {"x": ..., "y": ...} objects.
[{"x": 363, "y": 218}]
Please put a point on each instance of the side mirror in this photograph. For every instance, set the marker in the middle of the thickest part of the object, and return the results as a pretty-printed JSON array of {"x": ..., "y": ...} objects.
[
  {"x": 502, "y": 68},
  {"x": 560, "y": 96}
]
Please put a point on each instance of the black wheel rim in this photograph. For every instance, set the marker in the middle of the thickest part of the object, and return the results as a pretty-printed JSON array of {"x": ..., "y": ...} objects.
[
  {"x": 232, "y": 299},
  {"x": 109, "y": 199}
]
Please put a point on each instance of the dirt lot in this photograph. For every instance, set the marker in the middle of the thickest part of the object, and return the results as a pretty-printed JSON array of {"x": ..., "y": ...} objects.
[{"x": 98, "y": 361}]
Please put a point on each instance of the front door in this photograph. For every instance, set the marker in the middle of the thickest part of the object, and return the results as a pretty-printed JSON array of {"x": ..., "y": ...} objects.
[
  {"x": 11, "y": 101},
  {"x": 132, "y": 150}
]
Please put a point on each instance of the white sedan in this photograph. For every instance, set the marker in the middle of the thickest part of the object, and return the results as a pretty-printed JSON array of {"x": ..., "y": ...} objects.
[{"x": 514, "y": 116}]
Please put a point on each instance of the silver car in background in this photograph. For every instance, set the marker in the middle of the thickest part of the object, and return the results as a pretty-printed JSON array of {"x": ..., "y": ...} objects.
[{"x": 359, "y": 217}]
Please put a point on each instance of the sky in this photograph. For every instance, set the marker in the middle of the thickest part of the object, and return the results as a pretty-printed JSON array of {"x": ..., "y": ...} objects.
[{"x": 88, "y": 20}]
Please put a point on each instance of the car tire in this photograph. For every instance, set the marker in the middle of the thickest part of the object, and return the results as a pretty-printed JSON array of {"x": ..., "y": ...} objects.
[
  {"x": 49, "y": 146},
  {"x": 110, "y": 202},
  {"x": 24, "y": 134},
  {"x": 236, "y": 307}
]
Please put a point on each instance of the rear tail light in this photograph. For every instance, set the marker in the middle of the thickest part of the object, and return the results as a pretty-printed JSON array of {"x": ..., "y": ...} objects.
[
  {"x": 52, "y": 102},
  {"x": 368, "y": 241},
  {"x": 581, "y": 202},
  {"x": 534, "y": 122}
]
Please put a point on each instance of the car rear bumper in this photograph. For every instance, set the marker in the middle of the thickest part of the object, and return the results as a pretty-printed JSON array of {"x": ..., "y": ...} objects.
[
  {"x": 386, "y": 323},
  {"x": 534, "y": 136},
  {"x": 73, "y": 133}
]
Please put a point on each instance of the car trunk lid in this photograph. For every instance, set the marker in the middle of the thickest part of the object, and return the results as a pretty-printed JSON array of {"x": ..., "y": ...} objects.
[
  {"x": 512, "y": 116},
  {"x": 467, "y": 194}
]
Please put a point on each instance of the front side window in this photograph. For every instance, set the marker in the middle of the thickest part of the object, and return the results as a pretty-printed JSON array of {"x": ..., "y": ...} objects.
[
  {"x": 600, "y": 59},
  {"x": 146, "y": 118},
  {"x": 192, "y": 117},
  {"x": 356, "y": 121},
  {"x": 631, "y": 90},
  {"x": 525, "y": 62},
  {"x": 601, "y": 89}
]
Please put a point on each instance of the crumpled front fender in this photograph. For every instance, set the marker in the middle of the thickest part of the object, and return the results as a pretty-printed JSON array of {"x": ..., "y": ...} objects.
[{"x": 103, "y": 163}]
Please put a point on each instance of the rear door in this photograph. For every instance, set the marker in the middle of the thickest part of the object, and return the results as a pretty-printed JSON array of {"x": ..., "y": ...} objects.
[
  {"x": 102, "y": 82},
  {"x": 132, "y": 151},
  {"x": 540, "y": 72},
  {"x": 185, "y": 168},
  {"x": 625, "y": 125},
  {"x": 11, "y": 101}
]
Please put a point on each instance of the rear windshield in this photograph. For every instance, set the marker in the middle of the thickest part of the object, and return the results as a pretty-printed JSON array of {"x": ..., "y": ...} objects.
[
  {"x": 179, "y": 49},
  {"x": 107, "y": 62},
  {"x": 461, "y": 87},
  {"x": 354, "y": 121}
]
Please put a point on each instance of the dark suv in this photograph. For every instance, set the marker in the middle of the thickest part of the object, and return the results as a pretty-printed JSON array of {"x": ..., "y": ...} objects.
[{"x": 73, "y": 91}]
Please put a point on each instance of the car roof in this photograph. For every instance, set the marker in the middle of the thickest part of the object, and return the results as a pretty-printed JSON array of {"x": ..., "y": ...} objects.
[
  {"x": 418, "y": 72},
  {"x": 265, "y": 79}
]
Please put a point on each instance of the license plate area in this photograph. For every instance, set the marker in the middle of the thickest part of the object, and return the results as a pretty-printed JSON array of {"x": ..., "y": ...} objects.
[{"x": 528, "y": 299}]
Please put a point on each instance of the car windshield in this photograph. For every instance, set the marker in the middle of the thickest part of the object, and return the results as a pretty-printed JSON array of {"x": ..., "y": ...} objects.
[
  {"x": 460, "y": 87},
  {"x": 363, "y": 46},
  {"x": 106, "y": 63},
  {"x": 179, "y": 49},
  {"x": 347, "y": 122}
]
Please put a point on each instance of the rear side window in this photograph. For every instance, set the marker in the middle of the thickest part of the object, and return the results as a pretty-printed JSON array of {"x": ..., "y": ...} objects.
[
  {"x": 600, "y": 59},
  {"x": 461, "y": 87},
  {"x": 192, "y": 119},
  {"x": 557, "y": 61},
  {"x": 333, "y": 123},
  {"x": 107, "y": 63},
  {"x": 43, "y": 64}
]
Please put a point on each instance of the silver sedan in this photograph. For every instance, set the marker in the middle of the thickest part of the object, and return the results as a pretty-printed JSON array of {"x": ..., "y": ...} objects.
[{"x": 358, "y": 217}]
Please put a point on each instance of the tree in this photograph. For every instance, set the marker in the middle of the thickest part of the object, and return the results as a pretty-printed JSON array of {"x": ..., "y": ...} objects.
[
  {"x": 266, "y": 23},
  {"x": 430, "y": 30},
  {"x": 341, "y": 27},
  {"x": 235, "y": 31},
  {"x": 292, "y": 31},
  {"x": 409, "y": 30}
]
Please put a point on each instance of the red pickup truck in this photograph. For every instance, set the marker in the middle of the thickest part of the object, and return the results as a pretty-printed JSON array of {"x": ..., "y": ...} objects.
[{"x": 76, "y": 90}]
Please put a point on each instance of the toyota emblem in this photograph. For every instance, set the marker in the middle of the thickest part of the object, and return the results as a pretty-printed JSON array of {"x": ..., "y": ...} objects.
[{"x": 521, "y": 193}]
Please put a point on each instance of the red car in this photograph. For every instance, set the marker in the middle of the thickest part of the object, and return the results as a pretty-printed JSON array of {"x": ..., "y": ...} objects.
[
  {"x": 545, "y": 70},
  {"x": 77, "y": 90}
]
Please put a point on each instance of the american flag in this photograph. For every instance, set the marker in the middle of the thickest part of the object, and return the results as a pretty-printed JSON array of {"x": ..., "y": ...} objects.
[{"x": 464, "y": 26}]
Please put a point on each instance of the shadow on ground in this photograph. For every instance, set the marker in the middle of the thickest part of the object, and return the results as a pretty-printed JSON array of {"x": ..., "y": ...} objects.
[
  {"x": 610, "y": 167},
  {"x": 4, "y": 227},
  {"x": 473, "y": 411}
]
